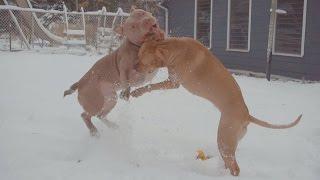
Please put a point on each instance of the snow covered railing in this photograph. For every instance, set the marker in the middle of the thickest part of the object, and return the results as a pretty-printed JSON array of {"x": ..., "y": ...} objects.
[
  {"x": 104, "y": 27},
  {"x": 97, "y": 13},
  {"x": 28, "y": 28}
]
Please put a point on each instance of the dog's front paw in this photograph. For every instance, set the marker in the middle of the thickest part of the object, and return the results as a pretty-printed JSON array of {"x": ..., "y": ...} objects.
[
  {"x": 233, "y": 167},
  {"x": 138, "y": 92},
  {"x": 94, "y": 133},
  {"x": 125, "y": 94}
]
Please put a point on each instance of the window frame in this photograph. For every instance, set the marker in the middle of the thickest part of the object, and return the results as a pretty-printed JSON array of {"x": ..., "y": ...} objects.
[
  {"x": 303, "y": 34},
  {"x": 228, "y": 29},
  {"x": 196, "y": 23}
]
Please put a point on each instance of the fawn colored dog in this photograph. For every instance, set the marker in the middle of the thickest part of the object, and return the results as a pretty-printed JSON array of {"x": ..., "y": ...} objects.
[
  {"x": 97, "y": 89},
  {"x": 193, "y": 66}
]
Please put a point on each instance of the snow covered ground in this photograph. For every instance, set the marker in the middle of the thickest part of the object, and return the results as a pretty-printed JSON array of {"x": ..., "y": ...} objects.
[{"x": 43, "y": 137}]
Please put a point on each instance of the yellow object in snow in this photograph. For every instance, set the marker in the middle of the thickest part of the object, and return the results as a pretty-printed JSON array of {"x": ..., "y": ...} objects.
[{"x": 201, "y": 155}]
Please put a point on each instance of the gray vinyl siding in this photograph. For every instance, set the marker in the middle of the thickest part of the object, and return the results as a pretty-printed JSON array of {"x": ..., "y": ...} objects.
[
  {"x": 181, "y": 23},
  {"x": 254, "y": 60},
  {"x": 181, "y": 17}
]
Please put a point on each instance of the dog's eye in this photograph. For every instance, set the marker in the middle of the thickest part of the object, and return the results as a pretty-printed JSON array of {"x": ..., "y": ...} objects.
[{"x": 155, "y": 26}]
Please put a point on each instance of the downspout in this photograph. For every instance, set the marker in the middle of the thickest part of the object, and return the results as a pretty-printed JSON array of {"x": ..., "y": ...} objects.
[
  {"x": 166, "y": 17},
  {"x": 272, "y": 25}
]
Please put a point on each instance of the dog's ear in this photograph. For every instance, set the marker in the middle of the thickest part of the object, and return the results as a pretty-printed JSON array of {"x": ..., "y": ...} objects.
[
  {"x": 162, "y": 35},
  {"x": 149, "y": 37},
  {"x": 119, "y": 30},
  {"x": 152, "y": 36},
  {"x": 133, "y": 7}
]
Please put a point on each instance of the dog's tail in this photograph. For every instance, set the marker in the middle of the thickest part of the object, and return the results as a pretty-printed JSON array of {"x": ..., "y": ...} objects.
[
  {"x": 72, "y": 89},
  {"x": 274, "y": 126}
]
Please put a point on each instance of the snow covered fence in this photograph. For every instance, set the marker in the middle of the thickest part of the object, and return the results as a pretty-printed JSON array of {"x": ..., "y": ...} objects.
[{"x": 28, "y": 28}]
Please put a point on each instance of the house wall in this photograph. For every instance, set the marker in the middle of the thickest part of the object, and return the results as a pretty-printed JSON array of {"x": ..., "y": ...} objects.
[
  {"x": 181, "y": 17},
  {"x": 181, "y": 23},
  {"x": 311, "y": 61}
]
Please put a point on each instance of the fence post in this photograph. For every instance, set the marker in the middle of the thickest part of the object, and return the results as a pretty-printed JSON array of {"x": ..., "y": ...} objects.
[
  {"x": 66, "y": 19},
  {"x": 97, "y": 32},
  {"x": 119, "y": 13},
  {"x": 166, "y": 11},
  {"x": 84, "y": 25},
  {"x": 10, "y": 36},
  {"x": 104, "y": 10},
  {"x": 32, "y": 32}
]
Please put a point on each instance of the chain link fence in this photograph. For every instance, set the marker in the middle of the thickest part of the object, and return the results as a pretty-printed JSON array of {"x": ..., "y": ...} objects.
[{"x": 25, "y": 28}]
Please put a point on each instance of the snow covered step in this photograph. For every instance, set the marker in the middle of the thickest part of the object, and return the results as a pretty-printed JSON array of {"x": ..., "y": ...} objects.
[
  {"x": 105, "y": 29},
  {"x": 75, "y": 32},
  {"x": 75, "y": 42}
]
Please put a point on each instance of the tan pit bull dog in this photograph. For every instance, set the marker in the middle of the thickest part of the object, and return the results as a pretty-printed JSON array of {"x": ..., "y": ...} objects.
[
  {"x": 97, "y": 88},
  {"x": 193, "y": 66}
]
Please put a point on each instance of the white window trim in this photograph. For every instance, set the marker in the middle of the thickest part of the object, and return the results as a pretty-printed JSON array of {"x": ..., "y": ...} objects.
[
  {"x": 303, "y": 34},
  {"x": 195, "y": 22},
  {"x": 228, "y": 29}
]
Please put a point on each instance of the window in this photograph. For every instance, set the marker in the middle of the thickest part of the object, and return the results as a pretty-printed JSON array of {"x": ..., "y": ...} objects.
[
  {"x": 203, "y": 22},
  {"x": 239, "y": 25},
  {"x": 290, "y": 28}
]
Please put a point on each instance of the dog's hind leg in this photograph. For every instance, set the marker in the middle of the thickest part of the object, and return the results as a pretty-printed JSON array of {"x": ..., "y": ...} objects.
[
  {"x": 228, "y": 142},
  {"x": 107, "y": 107},
  {"x": 87, "y": 120},
  {"x": 110, "y": 100}
]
